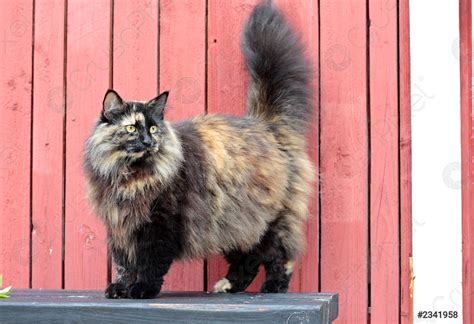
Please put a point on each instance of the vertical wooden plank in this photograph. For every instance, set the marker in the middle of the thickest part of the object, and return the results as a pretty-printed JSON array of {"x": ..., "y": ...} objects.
[
  {"x": 384, "y": 186},
  {"x": 406, "y": 273},
  {"x": 344, "y": 156},
  {"x": 227, "y": 94},
  {"x": 47, "y": 177},
  {"x": 182, "y": 71},
  {"x": 303, "y": 16},
  {"x": 227, "y": 78},
  {"x": 135, "y": 52},
  {"x": 467, "y": 144},
  {"x": 135, "y": 41},
  {"x": 183, "y": 56},
  {"x": 88, "y": 46},
  {"x": 16, "y": 19},
  {"x": 227, "y": 75}
]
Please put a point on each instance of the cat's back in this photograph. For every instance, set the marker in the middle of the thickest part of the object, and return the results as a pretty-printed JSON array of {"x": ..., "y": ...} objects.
[{"x": 236, "y": 147}]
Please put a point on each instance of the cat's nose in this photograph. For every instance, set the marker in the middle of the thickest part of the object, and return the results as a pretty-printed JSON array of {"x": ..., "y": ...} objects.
[{"x": 147, "y": 141}]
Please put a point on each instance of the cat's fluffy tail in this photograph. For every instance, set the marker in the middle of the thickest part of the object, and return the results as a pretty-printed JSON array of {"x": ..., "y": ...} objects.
[{"x": 280, "y": 74}]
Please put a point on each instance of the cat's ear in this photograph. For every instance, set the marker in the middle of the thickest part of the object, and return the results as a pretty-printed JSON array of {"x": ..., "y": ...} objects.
[
  {"x": 112, "y": 101},
  {"x": 157, "y": 105}
]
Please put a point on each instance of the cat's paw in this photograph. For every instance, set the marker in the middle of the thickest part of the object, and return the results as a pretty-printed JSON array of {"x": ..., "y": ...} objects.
[
  {"x": 142, "y": 290},
  {"x": 115, "y": 291},
  {"x": 223, "y": 286}
]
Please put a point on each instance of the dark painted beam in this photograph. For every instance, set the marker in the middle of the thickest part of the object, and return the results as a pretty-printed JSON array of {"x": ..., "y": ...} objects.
[{"x": 67, "y": 306}]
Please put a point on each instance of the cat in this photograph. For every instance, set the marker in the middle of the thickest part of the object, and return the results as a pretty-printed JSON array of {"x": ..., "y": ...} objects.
[{"x": 237, "y": 186}]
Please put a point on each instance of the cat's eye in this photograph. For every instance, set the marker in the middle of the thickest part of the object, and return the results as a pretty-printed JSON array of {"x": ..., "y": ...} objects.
[
  {"x": 130, "y": 128},
  {"x": 153, "y": 129}
]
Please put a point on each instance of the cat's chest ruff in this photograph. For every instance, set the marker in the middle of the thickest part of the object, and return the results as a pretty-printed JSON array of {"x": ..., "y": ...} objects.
[
  {"x": 129, "y": 206},
  {"x": 137, "y": 185},
  {"x": 128, "y": 213}
]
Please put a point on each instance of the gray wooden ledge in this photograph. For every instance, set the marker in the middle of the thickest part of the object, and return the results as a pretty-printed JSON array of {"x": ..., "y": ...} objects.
[{"x": 78, "y": 306}]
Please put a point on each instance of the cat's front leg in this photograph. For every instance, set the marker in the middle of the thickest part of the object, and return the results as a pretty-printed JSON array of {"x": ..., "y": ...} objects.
[
  {"x": 126, "y": 276},
  {"x": 150, "y": 278},
  {"x": 155, "y": 253},
  {"x": 119, "y": 288},
  {"x": 116, "y": 290}
]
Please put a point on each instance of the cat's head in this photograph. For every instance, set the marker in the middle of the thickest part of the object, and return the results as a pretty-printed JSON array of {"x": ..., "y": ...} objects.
[
  {"x": 131, "y": 147},
  {"x": 130, "y": 133},
  {"x": 134, "y": 127}
]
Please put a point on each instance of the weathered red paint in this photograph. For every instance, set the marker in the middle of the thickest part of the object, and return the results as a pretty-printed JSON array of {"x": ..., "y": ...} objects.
[
  {"x": 406, "y": 270},
  {"x": 163, "y": 45},
  {"x": 467, "y": 140},
  {"x": 344, "y": 156},
  {"x": 16, "y": 21},
  {"x": 87, "y": 77},
  {"x": 135, "y": 40},
  {"x": 48, "y": 140},
  {"x": 384, "y": 168},
  {"x": 226, "y": 80},
  {"x": 183, "y": 73},
  {"x": 303, "y": 16}
]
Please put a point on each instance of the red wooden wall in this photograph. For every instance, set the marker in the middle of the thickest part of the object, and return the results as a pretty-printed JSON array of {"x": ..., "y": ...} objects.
[
  {"x": 57, "y": 58},
  {"x": 467, "y": 141}
]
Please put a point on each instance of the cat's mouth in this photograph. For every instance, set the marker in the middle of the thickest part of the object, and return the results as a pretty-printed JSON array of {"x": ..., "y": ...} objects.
[
  {"x": 139, "y": 153},
  {"x": 142, "y": 150},
  {"x": 142, "y": 154}
]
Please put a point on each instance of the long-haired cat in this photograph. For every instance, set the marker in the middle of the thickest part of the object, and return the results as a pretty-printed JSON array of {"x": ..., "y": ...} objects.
[{"x": 212, "y": 184}]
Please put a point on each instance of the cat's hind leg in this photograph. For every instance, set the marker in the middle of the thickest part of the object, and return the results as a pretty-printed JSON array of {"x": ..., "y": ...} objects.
[
  {"x": 243, "y": 267},
  {"x": 277, "y": 275},
  {"x": 276, "y": 251},
  {"x": 282, "y": 244}
]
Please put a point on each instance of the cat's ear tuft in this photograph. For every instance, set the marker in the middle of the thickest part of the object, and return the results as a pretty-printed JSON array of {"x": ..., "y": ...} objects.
[
  {"x": 112, "y": 101},
  {"x": 157, "y": 105}
]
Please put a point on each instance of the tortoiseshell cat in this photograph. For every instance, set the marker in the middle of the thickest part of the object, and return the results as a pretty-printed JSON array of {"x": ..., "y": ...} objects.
[{"x": 212, "y": 184}]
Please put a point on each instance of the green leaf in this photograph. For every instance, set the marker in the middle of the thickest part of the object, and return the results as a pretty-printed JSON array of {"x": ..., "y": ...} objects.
[
  {"x": 1, "y": 281},
  {"x": 5, "y": 293}
]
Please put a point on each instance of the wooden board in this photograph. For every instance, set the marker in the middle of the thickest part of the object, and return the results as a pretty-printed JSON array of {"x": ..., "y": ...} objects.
[
  {"x": 192, "y": 48},
  {"x": 135, "y": 41},
  {"x": 226, "y": 83},
  {"x": 467, "y": 142},
  {"x": 48, "y": 145},
  {"x": 226, "y": 72},
  {"x": 227, "y": 94},
  {"x": 406, "y": 269},
  {"x": 88, "y": 77},
  {"x": 135, "y": 49},
  {"x": 384, "y": 168},
  {"x": 303, "y": 16},
  {"x": 183, "y": 73},
  {"x": 344, "y": 155},
  {"x": 28, "y": 306},
  {"x": 183, "y": 57},
  {"x": 15, "y": 135}
]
